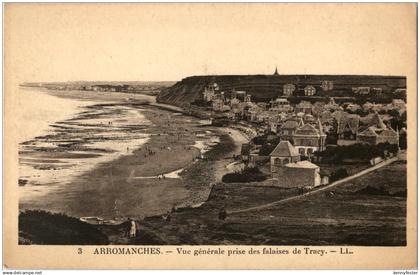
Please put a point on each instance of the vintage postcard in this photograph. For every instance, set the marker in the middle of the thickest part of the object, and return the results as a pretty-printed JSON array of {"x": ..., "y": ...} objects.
[{"x": 210, "y": 136}]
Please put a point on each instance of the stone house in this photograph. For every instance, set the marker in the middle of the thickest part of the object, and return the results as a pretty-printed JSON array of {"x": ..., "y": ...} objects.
[
  {"x": 283, "y": 154},
  {"x": 297, "y": 175}
]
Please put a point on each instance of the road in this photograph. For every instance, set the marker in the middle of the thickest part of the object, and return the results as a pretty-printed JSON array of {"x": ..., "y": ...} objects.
[{"x": 317, "y": 190}]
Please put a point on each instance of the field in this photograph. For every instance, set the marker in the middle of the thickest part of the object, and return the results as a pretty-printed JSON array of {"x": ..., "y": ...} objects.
[{"x": 367, "y": 211}]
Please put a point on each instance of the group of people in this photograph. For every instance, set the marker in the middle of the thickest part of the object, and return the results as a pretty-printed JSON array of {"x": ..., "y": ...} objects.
[{"x": 161, "y": 177}]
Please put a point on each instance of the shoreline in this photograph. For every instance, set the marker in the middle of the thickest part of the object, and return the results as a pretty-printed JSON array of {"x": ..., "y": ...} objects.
[{"x": 179, "y": 133}]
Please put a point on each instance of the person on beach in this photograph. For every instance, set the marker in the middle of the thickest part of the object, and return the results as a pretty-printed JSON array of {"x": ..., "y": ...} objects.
[{"x": 133, "y": 229}]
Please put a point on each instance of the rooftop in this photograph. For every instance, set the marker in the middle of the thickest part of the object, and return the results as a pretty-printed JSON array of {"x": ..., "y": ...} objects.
[
  {"x": 285, "y": 149},
  {"x": 302, "y": 164}
]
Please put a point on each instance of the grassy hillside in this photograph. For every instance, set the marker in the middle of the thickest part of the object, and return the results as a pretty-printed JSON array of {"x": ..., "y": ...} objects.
[
  {"x": 265, "y": 87},
  {"x": 40, "y": 227}
]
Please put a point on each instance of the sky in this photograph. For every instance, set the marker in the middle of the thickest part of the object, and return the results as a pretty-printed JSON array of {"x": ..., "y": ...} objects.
[{"x": 152, "y": 42}]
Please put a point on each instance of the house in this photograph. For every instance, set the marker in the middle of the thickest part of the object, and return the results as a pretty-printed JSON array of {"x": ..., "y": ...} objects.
[
  {"x": 288, "y": 128},
  {"x": 217, "y": 105},
  {"x": 377, "y": 107},
  {"x": 347, "y": 128},
  {"x": 288, "y": 89},
  {"x": 326, "y": 117},
  {"x": 283, "y": 154},
  {"x": 304, "y": 107},
  {"x": 251, "y": 112},
  {"x": 327, "y": 85},
  {"x": 247, "y": 99},
  {"x": 377, "y": 132},
  {"x": 310, "y": 90},
  {"x": 240, "y": 95},
  {"x": 297, "y": 175},
  {"x": 263, "y": 116},
  {"x": 237, "y": 106},
  {"x": 317, "y": 108},
  {"x": 376, "y": 90},
  {"x": 234, "y": 102},
  {"x": 398, "y": 104},
  {"x": 255, "y": 158},
  {"x": 353, "y": 107},
  {"x": 280, "y": 105},
  {"x": 308, "y": 118},
  {"x": 331, "y": 105},
  {"x": 400, "y": 92},
  {"x": 273, "y": 122},
  {"x": 208, "y": 93},
  {"x": 309, "y": 138},
  {"x": 367, "y": 106},
  {"x": 361, "y": 90},
  {"x": 245, "y": 151}
]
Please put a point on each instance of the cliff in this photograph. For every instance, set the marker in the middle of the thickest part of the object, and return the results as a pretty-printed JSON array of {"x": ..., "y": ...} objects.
[{"x": 266, "y": 87}]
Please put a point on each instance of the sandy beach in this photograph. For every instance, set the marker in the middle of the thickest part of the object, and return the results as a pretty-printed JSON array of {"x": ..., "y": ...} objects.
[{"x": 171, "y": 160}]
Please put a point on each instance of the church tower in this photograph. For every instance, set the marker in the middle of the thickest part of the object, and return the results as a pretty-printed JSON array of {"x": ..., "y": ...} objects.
[{"x": 276, "y": 72}]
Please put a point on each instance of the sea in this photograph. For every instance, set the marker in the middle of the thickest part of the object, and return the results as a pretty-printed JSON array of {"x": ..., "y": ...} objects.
[
  {"x": 76, "y": 147},
  {"x": 60, "y": 138}
]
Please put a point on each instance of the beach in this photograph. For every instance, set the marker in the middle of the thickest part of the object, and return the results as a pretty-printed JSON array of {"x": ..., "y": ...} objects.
[{"x": 121, "y": 157}]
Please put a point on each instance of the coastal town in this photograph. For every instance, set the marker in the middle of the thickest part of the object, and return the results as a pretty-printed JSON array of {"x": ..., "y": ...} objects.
[
  {"x": 260, "y": 148},
  {"x": 297, "y": 144},
  {"x": 186, "y": 136}
]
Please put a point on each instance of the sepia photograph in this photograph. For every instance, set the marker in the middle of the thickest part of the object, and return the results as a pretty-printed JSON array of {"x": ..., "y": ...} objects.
[{"x": 272, "y": 126}]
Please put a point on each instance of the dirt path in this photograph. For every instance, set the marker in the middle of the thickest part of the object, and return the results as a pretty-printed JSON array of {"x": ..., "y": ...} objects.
[{"x": 321, "y": 189}]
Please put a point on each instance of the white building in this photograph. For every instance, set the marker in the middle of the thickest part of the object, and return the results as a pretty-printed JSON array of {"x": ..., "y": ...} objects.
[{"x": 310, "y": 90}]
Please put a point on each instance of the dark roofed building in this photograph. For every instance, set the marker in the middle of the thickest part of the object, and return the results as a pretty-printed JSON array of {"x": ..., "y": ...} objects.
[
  {"x": 347, "y": 127},
  {"x": 378, "y": 132},
  {"x": 309, "y": 138},
  {"x": 288, "y": 128},
  {"x": 304, "y": 107},
  {"x": 283, "y": 154}
]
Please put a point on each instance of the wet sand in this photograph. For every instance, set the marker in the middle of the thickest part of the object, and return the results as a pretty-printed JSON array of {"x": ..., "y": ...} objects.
[{"x": 128, "y": 186}]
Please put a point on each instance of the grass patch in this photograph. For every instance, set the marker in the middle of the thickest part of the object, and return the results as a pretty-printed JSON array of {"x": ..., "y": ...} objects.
[
  {"x": 41, "y": 227},
  {"x": 247, "y": 175}
]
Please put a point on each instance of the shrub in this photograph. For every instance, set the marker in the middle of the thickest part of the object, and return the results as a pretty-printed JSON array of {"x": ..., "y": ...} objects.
[
  {"x": 42, "y": 227},
  {"x": 360, "y": 151},
  {"x": 247, "y": 175},
  {"x": 338, "y": 174},
  {"x": 266, "y": 149}
]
